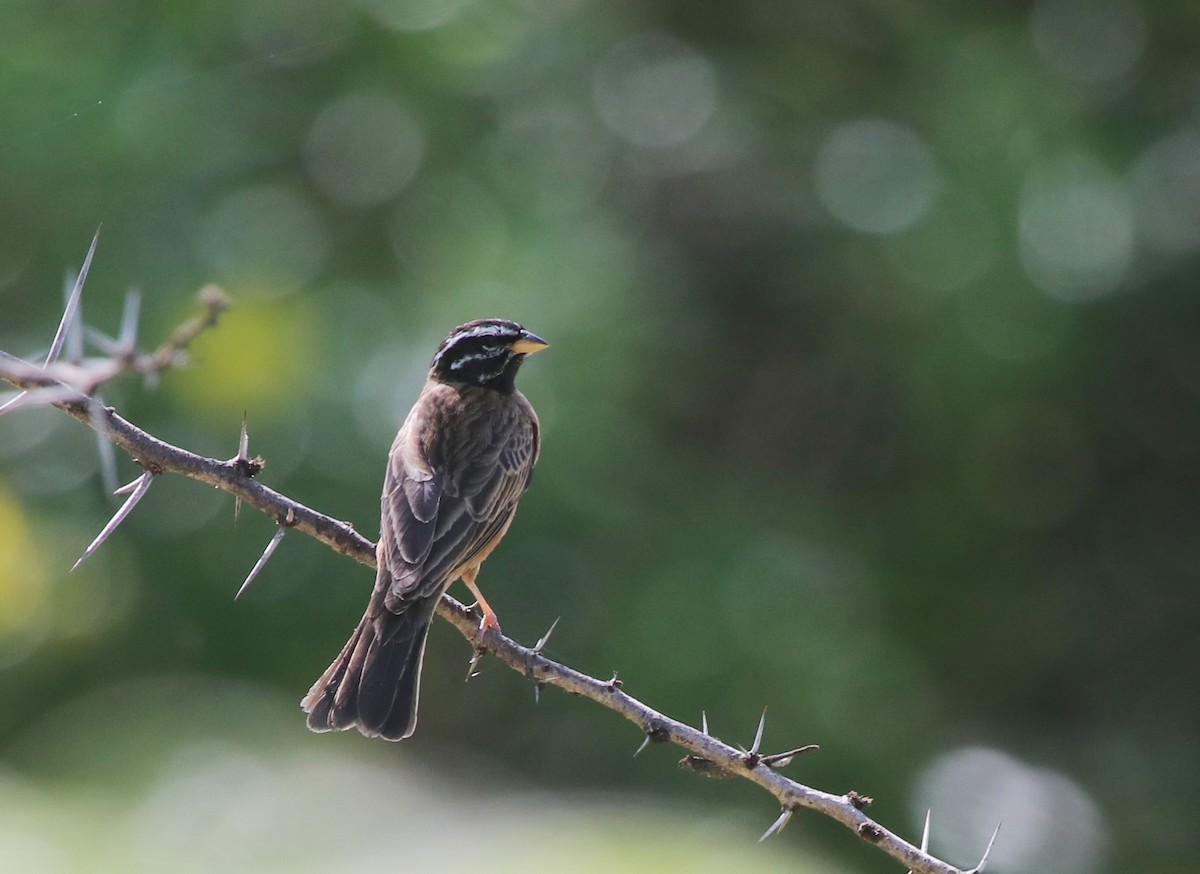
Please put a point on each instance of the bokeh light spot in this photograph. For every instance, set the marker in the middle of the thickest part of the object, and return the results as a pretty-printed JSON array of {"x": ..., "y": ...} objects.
[
  {"x": 549, "y": 157},
  {"x": 654, "y": 91},
  {"x": 1166, "y": 191},
  {"x": 1076, "y": 230},
  {"x": 256, "y": 362},
  {"x": 1089, "y": 41},
  {"x": 363, "y": 149},
  {"x": 1050, "y": 822},
  {"x": 22, "y": 576},
  {"x": 268, "y": 238},
  {"x": 876, "y": 176}
]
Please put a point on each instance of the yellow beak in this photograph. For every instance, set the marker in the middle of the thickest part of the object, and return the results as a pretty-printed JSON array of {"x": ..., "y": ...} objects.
[{"x": 528, "y": 344}]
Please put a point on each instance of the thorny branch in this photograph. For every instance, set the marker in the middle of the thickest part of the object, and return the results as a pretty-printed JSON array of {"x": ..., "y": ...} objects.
[{"x": 70, "y": 386}]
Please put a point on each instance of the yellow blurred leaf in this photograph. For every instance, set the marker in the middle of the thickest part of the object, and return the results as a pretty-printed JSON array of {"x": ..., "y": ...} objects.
[{"x": 257, "y": 358}]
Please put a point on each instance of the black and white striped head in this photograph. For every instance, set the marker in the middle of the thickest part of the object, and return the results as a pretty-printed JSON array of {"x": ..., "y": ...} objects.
[{"x": 486, "y": 352}]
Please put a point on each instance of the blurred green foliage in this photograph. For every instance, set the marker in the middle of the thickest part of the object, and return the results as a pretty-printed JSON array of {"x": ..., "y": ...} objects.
[{"x": 872, "y": 396}]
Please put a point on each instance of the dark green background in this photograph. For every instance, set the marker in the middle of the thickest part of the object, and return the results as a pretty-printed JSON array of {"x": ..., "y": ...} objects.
[{"x": 872, "y": 397}]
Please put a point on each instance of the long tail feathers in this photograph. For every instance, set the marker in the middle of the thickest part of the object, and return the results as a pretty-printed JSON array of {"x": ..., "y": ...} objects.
[{"x": 374, "y": 683}]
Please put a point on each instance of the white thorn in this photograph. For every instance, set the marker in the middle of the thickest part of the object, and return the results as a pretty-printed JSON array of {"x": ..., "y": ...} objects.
[
  {"x": 19, "y": 399},
  {"x": 762, "y": 723},
  {"x": 258, "y": 565},
  {"x": 129, "y": 486},
  {"x": 49, "y": 395},
  {"x": 143, "y": 486},
  {"x": 777, "y": 826},
  {"x": 127, "y": 338},
  {"x": 978, "y": 869},
  {"x": 546, "y": 637},
  {"x": 101, "y": 341},
  {"x": 472, "y": 673},
  {"x": 244, "y": 442},
  {"x": 703, "y": 722},
  {"x": 243, "y": 454},
  {"x": 72, "y": 306},
  {"x": 924, "y": 836},
  {"x": 108, "y": 457},
  {"x": 73, "y": 345}
]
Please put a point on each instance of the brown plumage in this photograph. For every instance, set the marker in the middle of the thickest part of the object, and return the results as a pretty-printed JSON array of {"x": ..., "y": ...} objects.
[{"x": 456, "y": 471}]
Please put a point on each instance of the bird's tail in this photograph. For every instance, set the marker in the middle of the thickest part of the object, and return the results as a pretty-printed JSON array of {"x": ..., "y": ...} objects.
[{"x": 373, "y": 684}]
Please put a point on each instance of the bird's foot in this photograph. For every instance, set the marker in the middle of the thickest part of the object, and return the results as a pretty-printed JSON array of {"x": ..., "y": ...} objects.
[{"x": 489, "y": 621}]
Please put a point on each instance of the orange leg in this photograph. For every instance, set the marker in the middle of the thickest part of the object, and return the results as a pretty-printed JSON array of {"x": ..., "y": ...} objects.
[{"x": 489, "y": 615}]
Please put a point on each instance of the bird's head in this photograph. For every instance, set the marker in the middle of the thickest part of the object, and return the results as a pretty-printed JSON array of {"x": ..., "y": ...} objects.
[{"x": 486, "y": 352}]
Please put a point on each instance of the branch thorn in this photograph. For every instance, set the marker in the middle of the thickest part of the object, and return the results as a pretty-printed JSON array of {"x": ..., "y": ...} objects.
[
  {"x": 127, "y": 338},
  {"x": 129, "y": 486},
  {"x": 537, "y": 647},
  {"x": 258, "y": 565},
  {"x": 72, "y": 307},
  {"x": 762, "y": 723},
  {"x": 924, "y": 836},
  {"x": 48, "y": 396},
  {"x": 472, "y": 673},
  {"x": 782, "y": 760},
  {"x": 655, "y": 733},
  {"x": 139, "y": 491},
  {"x": 777, "y": 826},
  {"x": 751, "y": 755},
  {"x": 108, "y": 457},
  {"x": 978, "y": 869},
  {"x": 244, "y": 442},
  {"x": 243, "y": 455}
]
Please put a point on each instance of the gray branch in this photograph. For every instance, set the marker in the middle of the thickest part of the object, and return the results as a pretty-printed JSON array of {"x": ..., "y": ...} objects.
[{"x": 706, "y": 755}]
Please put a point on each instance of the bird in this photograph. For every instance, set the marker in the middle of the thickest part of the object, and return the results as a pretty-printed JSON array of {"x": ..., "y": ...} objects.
[{"x": 456, "y": 470}]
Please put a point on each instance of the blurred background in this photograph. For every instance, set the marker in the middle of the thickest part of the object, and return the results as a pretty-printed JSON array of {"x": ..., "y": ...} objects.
[{"x": 872, "y": 397}]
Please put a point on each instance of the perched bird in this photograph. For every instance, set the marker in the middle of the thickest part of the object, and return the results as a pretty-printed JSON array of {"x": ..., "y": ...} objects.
[{"x": 455, "y": 473}]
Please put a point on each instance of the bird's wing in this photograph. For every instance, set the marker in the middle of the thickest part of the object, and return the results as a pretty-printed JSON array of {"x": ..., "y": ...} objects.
[{"x": 437, "y": 517}]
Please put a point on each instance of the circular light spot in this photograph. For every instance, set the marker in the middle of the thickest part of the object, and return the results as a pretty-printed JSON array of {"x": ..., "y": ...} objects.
[
  {"x": 654, "y": 91},
  {"x": 265, "y": 233},
  {"x": 548, "y": 157},
  {"x": 876, "y": 176},
  {"x": 412, "y": 15},
  {"x": 260, "y": 360},
  {"x": 1166, "y": 191},
  {"x": 22, "y": 575},
  {"x": 1050, "y": 822},
  {"x": 1089, "y": 41},
  {"x": 384, "y": 387},
  {"x": 1076, "y": 230},
  {"x": 363, "y": 149}
]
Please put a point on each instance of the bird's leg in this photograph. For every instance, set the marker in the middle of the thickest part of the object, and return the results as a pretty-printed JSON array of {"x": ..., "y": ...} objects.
[{"x": 489, "y": 615}]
